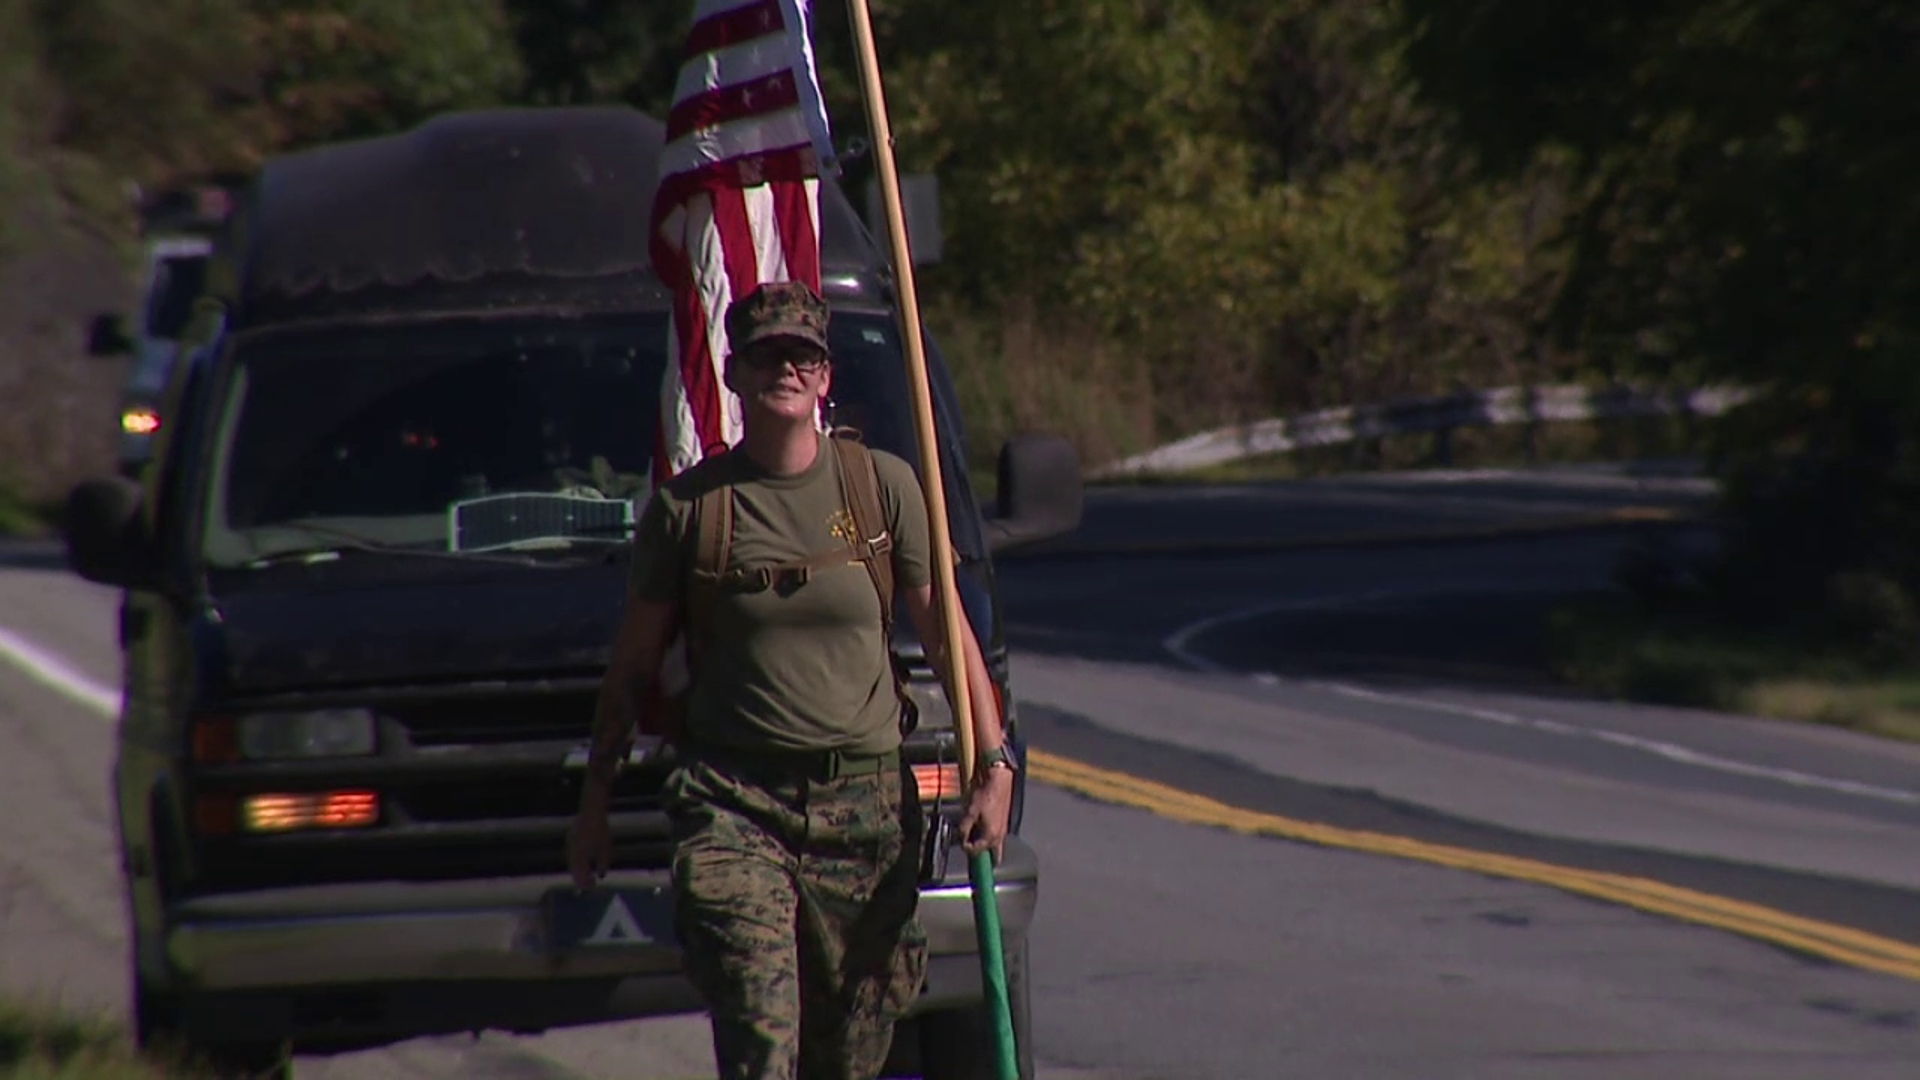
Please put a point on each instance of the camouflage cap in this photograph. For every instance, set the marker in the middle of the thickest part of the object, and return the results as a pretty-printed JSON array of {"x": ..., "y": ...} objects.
[{"x": 778, "y": 309}]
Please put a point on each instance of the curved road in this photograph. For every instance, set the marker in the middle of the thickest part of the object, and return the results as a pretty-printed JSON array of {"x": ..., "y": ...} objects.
[{"x": 1384, "y": 689}]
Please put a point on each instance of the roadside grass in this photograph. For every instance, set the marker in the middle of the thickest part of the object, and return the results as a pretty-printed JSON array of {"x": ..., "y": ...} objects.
[
  {"x": 1610, "y": 645},
  {"x": 21, "y": 515},
  {"x": 44, "y": 1044},
  {"x": 1019, "y": 373}
]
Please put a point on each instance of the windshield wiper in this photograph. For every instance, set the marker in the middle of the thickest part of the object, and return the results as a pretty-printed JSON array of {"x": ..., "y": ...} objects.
[
  {"x": 557, "y": 543},
  {"x": 319, "y": 554},
  {"x": 526, "y": 552}
]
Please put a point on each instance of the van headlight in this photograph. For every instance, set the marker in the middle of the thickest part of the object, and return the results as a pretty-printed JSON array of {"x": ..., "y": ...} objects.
[
  {"x": 320, "y": 733},
  {"x": 268, "y": 736}
]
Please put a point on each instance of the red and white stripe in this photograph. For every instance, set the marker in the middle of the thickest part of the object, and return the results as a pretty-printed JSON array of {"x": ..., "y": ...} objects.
[{"x": 738, "y": 202}]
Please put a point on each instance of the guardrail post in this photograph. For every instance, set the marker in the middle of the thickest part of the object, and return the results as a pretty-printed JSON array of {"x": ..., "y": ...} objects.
[
  {"x": 1443, "y": 446},
  {"x": 1607, "y": 421},
  {"x": 1530, "y": 427}
]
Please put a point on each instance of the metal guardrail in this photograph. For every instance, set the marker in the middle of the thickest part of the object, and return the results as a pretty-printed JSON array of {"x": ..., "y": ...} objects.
[{"x": 1439, "y": 415}]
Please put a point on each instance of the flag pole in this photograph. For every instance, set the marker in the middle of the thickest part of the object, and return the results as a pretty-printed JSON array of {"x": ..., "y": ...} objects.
[{"x": 985, "y": 908}]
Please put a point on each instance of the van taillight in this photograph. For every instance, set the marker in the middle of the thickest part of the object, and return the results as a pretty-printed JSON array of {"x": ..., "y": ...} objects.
[
  {"x": 310, "y": 810},
  {"x": 937, "y": 782}
]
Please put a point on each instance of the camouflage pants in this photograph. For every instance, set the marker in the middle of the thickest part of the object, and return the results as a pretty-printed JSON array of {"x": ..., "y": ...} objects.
[{"x": 795, "y": 900}]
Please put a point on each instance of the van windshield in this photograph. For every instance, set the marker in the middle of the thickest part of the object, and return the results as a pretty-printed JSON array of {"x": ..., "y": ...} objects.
[{"x": 484, "y": 438}]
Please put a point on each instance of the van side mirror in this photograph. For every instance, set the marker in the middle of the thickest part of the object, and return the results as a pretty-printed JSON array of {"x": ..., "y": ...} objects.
[
  {"x": 1041, "y": 492},
  {"x": 106, "y": 532},
  {"x": 107, "y": 336}
]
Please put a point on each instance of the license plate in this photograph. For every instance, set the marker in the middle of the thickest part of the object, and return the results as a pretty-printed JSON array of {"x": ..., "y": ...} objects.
[{"x": 608, "y": 919}]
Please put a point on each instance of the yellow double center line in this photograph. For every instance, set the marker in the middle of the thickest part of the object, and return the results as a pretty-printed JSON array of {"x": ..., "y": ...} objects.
[{"x": 1838, "y": 943}]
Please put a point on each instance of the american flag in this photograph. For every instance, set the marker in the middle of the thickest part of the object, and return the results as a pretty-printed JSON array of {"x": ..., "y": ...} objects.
[
  {"x": 739, "y": 199},
  {"x": 738, "y": 204}
]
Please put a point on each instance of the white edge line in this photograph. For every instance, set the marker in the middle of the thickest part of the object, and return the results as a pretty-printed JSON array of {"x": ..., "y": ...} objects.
[
  {"x": 1180, "y": 644},
  {"x": 51, "y": 671},
  {"x": 1670, "y": 751}
]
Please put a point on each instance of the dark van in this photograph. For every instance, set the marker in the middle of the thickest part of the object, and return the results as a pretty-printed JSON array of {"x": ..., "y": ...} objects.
[{"x": 371, "y": 578}]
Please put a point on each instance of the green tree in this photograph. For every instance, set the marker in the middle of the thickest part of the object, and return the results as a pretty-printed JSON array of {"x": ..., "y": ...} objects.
[
  {"x": 331, "y": 69},
  {"x": 1249, "y": 192},
  {"x": 161, "y": 89},
  {"x": 585, "y": 51},
  {"x": 1250, "y": 201},
  {"x": 1748, "y": 213}
]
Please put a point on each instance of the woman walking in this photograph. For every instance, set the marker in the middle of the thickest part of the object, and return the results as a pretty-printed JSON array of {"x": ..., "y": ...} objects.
[{"x": 797, "y": 825}]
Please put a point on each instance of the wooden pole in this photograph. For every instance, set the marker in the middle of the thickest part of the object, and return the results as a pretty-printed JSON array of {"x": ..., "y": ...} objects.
[
  {"x": 960, "y": 693},
  {"x": 945, "y": 588}
]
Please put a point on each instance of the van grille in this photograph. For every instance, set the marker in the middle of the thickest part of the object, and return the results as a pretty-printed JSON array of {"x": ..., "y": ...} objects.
[
  {"x": 491, "y": 721},
  {"x": 461, "y": 798}
]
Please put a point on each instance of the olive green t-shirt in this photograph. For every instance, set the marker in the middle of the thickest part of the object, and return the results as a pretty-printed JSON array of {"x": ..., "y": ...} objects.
[{"x": 800, "y": 668}]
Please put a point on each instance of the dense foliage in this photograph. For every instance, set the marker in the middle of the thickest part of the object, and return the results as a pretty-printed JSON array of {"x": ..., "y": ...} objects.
[
  {"x": 1162, "y": 214},
  {"x": 1751, "y": 216},
  {"x": 1247, "y": 192}
]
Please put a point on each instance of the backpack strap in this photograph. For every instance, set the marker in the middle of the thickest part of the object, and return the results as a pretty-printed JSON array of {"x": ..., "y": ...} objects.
[
  {"x": 860, "y": 491},
  {"x": 712, "y": 529},
  {"x": 713, "y": 544}
]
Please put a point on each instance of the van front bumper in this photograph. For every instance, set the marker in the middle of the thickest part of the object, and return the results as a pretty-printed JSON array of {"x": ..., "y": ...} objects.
[{"x": 471, "y": 955}]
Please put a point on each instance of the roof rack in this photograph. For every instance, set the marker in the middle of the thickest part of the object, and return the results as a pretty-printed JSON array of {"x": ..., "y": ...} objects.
[{"x": 482, "y": 210}]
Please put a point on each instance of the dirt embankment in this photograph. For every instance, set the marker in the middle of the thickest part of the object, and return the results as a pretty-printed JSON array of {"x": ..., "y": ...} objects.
[{"x": 57, "y": 403}]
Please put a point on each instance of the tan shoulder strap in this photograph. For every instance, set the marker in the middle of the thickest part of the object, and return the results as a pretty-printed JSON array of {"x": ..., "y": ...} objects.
[
  {"x": 860, "y": 490},
  {"x": 712, "y": 545},
  {"x": 713, "y": 530}
]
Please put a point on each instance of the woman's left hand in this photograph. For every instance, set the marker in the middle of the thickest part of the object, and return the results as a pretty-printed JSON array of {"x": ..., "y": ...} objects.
[{"x": 984, "y": 828}]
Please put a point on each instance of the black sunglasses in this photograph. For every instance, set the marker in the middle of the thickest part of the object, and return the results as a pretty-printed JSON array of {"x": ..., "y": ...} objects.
[{"x": 802, "y": 357}]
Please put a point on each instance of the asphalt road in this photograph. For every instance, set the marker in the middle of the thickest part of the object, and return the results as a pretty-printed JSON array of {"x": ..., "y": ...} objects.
[{"x": 1382, "y": 688}]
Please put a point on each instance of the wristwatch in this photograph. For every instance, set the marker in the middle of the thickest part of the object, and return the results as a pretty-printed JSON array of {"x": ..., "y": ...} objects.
[{"x": 996, "y": 756}]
